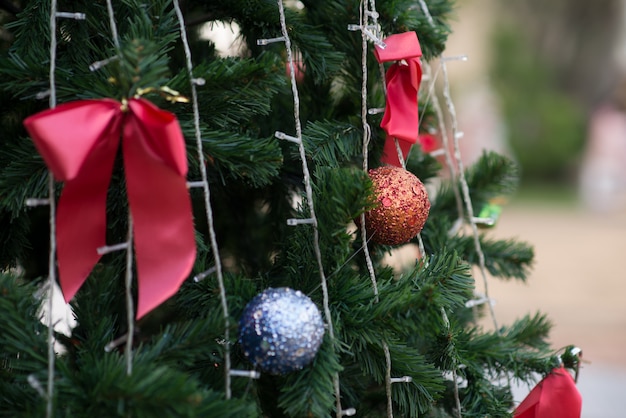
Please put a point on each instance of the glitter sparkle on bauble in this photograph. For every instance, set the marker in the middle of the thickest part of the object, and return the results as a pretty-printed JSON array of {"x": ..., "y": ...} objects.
[
  {"x": 281, "y": 330},
  {"x": 402, "y": 206}
]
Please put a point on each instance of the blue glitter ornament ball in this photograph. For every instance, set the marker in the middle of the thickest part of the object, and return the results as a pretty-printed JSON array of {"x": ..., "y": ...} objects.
[{"x": 281, "y": 330}]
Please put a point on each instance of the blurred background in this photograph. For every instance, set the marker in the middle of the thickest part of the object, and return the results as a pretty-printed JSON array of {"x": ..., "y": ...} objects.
[{"x": 545, "y": 82}]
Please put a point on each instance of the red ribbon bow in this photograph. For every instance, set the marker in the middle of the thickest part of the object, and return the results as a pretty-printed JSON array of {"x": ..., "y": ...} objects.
[
  {"x": 79, "y": 141},
  {"x": 403, "y": 79},
  {"x": 556, "y": 396}
]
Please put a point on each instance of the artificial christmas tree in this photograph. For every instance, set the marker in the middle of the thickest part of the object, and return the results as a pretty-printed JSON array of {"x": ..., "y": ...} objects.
[{"x": 273, "y": 198}]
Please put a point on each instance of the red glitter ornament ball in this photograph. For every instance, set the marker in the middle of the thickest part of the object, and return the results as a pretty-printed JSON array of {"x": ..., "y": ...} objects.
[{"x": 402, "y": 206}]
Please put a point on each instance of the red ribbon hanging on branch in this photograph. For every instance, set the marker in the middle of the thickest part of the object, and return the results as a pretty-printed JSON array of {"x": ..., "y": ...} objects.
[
  {"x": 556, "y": 396},
  {"x": 79, "y": 141},
  {"x": 403, "y": 78}
]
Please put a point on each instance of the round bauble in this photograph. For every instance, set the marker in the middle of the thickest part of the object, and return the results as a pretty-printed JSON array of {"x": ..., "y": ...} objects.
[
  {"x": 281, "y": 330},
  {"x": 402, "y": 206}
]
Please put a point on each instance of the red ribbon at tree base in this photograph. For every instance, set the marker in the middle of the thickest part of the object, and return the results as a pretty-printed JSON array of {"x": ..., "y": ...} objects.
[
  {"x": 556, "y": 396},
  {"x": 79, "y": 141},
  {"x": 403, "y": 78}
]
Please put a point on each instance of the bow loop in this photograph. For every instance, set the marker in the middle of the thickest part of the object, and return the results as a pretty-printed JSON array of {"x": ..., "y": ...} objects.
[
  {"x": 161, "y": 133},
  {"x": 66, "y": 135}
]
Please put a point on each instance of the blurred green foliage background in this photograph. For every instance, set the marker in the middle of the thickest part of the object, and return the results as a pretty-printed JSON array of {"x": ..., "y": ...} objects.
[
  {"x": 552, "y": 64},
  {"x": 546, "y": 126}
]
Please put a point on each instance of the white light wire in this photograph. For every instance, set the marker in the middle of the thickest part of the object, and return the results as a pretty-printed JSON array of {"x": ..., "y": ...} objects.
[
  {"x": 116, "y": 39},
  {"x": 309, "y": 194},
  {"x": 130, "y": 309},
  {"x": 364, "y": 20},
  {"x": 444, "y": 137},
  {"x": 464, "y": 186},
  {"x": 52, "y": 220},
  {"x": 130, "y": 315},
  {"x": 367, "y": 133},
  {"x": 207, "y": 202},
  {"x": 456, "y": 136},
  {"x": 50, "y": 201}
]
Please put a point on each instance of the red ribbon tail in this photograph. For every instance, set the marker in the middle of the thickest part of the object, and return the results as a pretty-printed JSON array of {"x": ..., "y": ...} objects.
[
  {"x": 81, "y": 220},
  {"x": 79, "y": 141},
  {"x": 390, "y": 151},
  {"x": 160, "y": 205},
  {"x": 81, "y": 216}
]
